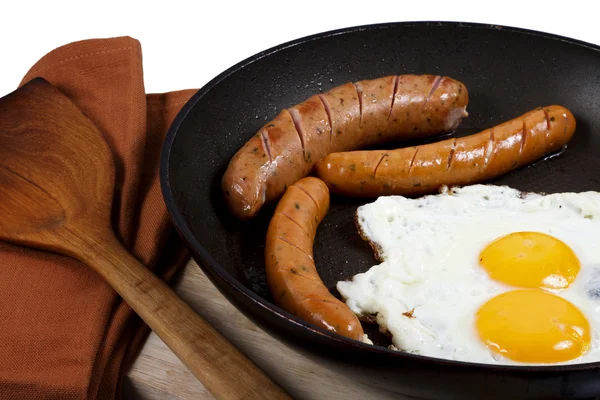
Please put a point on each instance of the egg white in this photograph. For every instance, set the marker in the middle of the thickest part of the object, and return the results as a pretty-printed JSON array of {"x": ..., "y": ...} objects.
[{"x": 430, "y": 249}]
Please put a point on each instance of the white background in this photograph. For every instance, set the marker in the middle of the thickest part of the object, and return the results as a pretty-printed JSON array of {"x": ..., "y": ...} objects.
[{"x": 187, "y": 43}]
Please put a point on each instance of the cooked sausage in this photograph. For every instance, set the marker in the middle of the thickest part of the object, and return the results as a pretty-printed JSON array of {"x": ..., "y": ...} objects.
[
  {"x": 291, "y": 273},
  {"x": 424, "y": 169},
  {"x": 347, "y": 117}
]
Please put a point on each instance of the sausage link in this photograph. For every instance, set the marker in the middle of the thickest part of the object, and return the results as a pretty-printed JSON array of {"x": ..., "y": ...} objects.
[
  {"x": 291, "y": 273},
  {"x": 424, "y": 169},
  {"x": 348, "y": 117}
]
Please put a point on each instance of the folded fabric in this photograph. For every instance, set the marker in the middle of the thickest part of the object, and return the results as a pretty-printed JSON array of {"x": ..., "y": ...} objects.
[{"x": 64, "y": 333}]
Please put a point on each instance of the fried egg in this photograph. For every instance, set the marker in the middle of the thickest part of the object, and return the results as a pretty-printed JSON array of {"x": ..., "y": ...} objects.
[{"x": 484, "y": 274}]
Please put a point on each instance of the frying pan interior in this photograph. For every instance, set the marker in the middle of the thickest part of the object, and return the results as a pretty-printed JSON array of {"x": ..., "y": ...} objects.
[{"x": 507, "y": 72}]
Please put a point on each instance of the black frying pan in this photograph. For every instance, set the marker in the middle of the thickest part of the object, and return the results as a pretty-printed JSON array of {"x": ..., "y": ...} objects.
[{"x": 507, "y": 72}]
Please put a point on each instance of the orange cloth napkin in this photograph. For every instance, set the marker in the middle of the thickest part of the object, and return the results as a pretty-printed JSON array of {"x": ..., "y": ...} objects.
[{"x": 64, "y": 333}]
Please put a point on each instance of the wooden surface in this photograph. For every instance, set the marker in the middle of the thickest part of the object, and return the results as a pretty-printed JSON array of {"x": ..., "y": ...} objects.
[{"x": 158, "y": 374}]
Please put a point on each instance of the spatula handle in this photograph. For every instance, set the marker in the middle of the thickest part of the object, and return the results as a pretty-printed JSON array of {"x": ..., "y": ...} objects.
[{"x": 223, "y": 369}]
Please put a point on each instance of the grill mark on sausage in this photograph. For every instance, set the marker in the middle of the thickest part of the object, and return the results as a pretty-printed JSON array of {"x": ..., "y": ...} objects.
[
  {"x": 294, "y": 245},
  {"x": 379, "y": 163},
  {"x": 434, "y": 86},
  {"x": 264, "y": 138},
  {"x": 315, "y": 281},
  {"x": 393, "y": 96},
  {"x": 451, "y": 155},
  {"x": 322, "y": 300},
  {"x": 298, "y": 126},
  {"x": 312, "y": 198},
  {"x": 547, "y": 124},
  {"x": 294, "y": 221},
  {"x": 412, "y": 161},
  {"x": 523, "y": 138},
  {"x": 489, "y": 149},
  {"x": 328, "y": 111},
  {"x": 360, "y": 102}
]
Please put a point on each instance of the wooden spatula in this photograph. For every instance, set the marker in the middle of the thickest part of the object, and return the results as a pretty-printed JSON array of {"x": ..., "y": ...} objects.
[{"x": 56, "y": 190}]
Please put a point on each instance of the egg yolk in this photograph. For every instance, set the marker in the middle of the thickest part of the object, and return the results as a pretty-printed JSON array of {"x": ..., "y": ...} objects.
[
  {"x": 530, "y": 260},
  {"x": 533, "y": 326}
]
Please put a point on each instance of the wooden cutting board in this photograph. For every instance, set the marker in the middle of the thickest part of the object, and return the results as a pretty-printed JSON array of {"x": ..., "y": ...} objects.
[{"x": 158, "y": 374}]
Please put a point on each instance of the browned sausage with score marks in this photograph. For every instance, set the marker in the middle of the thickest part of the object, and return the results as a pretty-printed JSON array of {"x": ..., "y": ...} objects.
[
  {"x": 424, "y": 169},
  {"x": 291, "y": 273},
  {"x": 347, "y": 117}
]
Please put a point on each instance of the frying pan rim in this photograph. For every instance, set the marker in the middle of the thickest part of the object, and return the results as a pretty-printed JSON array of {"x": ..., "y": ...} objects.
[{"x": 196, "y": 247}]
